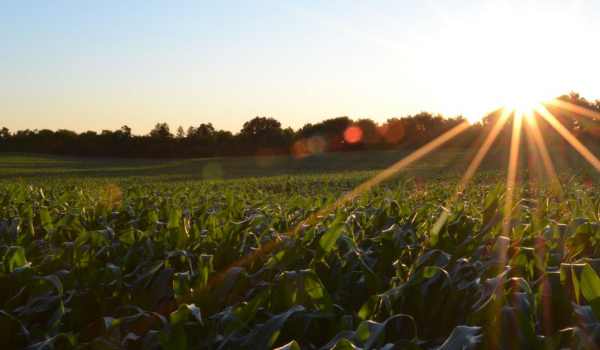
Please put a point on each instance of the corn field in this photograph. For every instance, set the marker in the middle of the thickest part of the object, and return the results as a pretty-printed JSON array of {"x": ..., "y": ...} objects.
[{"x": 413, "y": 263}]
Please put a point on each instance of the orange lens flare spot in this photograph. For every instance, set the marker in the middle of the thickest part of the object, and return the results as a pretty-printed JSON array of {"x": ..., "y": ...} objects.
[
  {"x": 299, "y": 150},
  {"x": 392, "y": 133},
  {"x": 316, "y": 144},
  {"x": 353, "y": 134}
]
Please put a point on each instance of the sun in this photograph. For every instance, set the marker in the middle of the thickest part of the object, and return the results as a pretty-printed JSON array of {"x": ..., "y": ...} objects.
[
  {"x": 509, "y": 56},
  {"x": 521, "y": 101}
]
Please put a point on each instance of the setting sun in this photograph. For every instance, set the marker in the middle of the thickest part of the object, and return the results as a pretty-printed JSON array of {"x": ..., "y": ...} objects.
[
  {"x": 521, "y": 100},
  {"x": 513, "y": 54}
]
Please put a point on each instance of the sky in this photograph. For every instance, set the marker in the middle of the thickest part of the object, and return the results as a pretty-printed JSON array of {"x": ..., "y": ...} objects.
[{"x": 94, "y": 65}]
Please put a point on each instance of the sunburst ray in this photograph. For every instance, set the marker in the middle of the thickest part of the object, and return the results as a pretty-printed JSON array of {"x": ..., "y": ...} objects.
[
  {"x": 575, "y": 108},
  {"x": 543, "y": 152},
  {"x": 513, "y": 163},
  {"x": 567, "y": 135},
  {"x": 487, "y": 144}
]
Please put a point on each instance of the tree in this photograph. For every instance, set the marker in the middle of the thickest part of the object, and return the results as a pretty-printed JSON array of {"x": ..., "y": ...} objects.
[
  {"x": 4, "y": 136},
  {"x": 426, "y": 121},
  {"x": 180, "y": 132},
  {"x": 332, "y": 126},
  {"x": 126, "y": 131},
  {"x": 201, "y": 141},
  {"x": 205, "y": 130},
  {"x": 332, "y": 129},
  {"x": 260, "y": 134},
  {"x": 393, "y": 130},
  {"x": 224, "y": 144},
  {"x": 369, "y": 129},
  {"x": 191, "y": 131},
  {"x": 258, "y": 126},
  {"x": 4, "y": 133},
  {"x": 263, "y": 135},
  {"x": 161, "y": 131}
]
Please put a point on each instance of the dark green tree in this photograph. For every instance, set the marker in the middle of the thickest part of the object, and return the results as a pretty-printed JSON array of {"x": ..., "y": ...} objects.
[{"x": 161, "y": 131}]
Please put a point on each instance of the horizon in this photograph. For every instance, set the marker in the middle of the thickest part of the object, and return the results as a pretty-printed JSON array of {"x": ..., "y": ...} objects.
[
  {"x": 91, "y": 66},
  {"x": 173, "y": 128}
]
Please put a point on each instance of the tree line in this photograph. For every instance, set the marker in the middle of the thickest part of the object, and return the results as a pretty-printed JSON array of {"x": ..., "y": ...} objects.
[{"x": 264, "y": 136}]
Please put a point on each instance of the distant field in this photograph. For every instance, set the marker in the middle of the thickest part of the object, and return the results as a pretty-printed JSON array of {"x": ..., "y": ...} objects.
[{"x": 50, "y": 170}]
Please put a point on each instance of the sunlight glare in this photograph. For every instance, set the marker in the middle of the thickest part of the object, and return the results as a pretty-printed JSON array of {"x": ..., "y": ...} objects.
[
  {"x": 506, "y": 57},
  {"x": 566, "y": 134},
  {"x": 484, "y": 148},
  {"x": 575, "y": 109},
  {"x": 514, "y": 150},
  {"x": 534, "y": 128},
  {"x": 513, "y": 163},
  {"x": 522, "y": 101}
]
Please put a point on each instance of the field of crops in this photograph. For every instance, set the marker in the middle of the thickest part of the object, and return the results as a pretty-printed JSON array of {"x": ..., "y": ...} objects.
[{"x": 113, "y": 254}]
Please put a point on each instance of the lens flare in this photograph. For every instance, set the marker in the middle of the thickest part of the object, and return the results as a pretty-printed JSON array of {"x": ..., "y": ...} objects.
[
  {"x": 392, "y": 132},
  {"x": 316, "y": 144},
  {"x": 299, "y": 150},
  {"x": 353, "y": 134}
]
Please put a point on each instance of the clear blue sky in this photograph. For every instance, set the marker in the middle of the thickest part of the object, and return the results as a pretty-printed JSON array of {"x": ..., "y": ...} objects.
[{"x": 93, "y": 65}]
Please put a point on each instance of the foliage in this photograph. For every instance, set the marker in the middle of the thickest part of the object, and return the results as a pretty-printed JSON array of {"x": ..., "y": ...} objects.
[
  {"x": 265, "y": 136},
  {"x": 276, "y": 263}
]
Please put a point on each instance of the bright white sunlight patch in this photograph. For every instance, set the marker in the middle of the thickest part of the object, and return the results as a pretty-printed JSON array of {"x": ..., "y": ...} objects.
[{"x": 514, "y": 55}]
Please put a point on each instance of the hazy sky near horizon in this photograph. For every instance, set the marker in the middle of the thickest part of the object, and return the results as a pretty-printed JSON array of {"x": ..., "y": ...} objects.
[{"x": 93, "y": 65}]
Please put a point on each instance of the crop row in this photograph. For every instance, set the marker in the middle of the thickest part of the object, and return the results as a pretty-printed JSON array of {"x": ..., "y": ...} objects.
[{"x": 408, "y": 265}]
